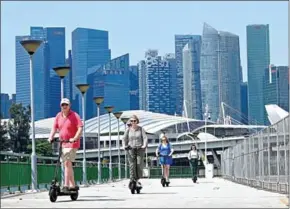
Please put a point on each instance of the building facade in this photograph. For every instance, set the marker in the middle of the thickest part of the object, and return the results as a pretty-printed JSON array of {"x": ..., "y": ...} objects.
[
  {"x": 5, "y": 105},
  {"x": 170, "y": 58},
  {"x": 180, "y": 42},
  {"x": 68, "y": 78},
  {"x": 220, "y": 71},
  {"x": 134, "y": 88},
  {"x": 51, "y": 53},
  {"x": 276, "y": 87},
  {"x": 90, "y": 48},
  {"x": 142, "y": 78},
  {"x": 244, "y": 103},
  {"x": 112, "y": 81},
  {"x": 191, "y": 82},
  {"x": 158, "y": 83},
  {"x": 258, "y": 59}
]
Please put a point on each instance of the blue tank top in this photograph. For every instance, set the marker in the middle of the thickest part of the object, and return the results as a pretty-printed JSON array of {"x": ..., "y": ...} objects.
[{"x": 164, "y": 150}]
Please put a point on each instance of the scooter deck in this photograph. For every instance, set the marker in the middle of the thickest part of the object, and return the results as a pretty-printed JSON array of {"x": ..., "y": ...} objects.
[{"x": 66, "y": 193}]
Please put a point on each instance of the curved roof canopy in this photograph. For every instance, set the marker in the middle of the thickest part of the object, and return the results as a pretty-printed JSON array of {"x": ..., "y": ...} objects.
[{"x": 150, "y": 121}]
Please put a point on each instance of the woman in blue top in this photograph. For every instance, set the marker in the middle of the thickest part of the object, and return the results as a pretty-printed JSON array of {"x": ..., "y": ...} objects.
[{"x": 164, "y": 151}]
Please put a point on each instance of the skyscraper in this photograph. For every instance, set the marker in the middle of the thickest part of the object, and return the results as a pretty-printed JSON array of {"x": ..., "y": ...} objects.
[
  {"x": 276, "y": 87},
  {"x": 220, "y": 71},
  {"x": 55, "y": 56},
  {"x": 5, "y": 105},
  {"x": 50, "y": 54},
  {"x": 134, "y": 88},
  {"x": 170, "y": 58},
  {"x": 191, "y": 81},
  {"x": 180, "y": 42},
  {"x": 244, "y": 102},
  {"x": 258, "y": 58},
  {"x": 68, "y": 78},
  {"x": 142, "y": 78},
  {"x": 90, "y": 48},
  {"x": 112, "y": 81},
  {"x": 158, "y": 83}
]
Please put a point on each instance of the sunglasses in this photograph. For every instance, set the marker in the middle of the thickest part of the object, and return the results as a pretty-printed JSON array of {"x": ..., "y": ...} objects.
[
  {"x": 64, "y": 105},
  {"x": 133, "y": 121}
]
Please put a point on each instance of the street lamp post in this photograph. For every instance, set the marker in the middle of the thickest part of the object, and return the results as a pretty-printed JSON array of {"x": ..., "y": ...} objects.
[
  {"x": 125, "y": 120},
  {"x": 206, "y": 116},
  {"x": 109, "y": 110},
  {"x": 62, "y": 72},
  {"x": 99, "y": 101},
  {"x": 83, "y": 89},
  {"x": 31, "y": 47},
  {"x": 118, "y": 115}
]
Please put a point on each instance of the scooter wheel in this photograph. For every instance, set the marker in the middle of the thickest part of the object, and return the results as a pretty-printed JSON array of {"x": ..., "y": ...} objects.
[
  {"x": 163, "y": 182},
  {"x": 132, "y": 191},
  {"x": 167, "y": 184},
  {"x": 75, "y": 196},
  {"x": 52, "y": 195}
]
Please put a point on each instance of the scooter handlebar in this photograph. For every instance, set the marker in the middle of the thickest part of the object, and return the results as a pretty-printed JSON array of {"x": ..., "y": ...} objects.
[
  {"x": 127, "y": 148},
  {"x": 60, "y": 141}
]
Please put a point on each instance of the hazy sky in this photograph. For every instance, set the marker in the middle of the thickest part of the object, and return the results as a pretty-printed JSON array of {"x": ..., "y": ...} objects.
[{"x": 137, "y": 26}]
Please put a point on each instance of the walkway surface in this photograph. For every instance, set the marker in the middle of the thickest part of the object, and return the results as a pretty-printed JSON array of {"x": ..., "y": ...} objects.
[{"x": 182, "y": 193}]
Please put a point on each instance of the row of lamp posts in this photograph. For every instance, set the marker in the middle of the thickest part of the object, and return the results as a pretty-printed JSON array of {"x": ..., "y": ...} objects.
[{"x": 31, "y": 47}]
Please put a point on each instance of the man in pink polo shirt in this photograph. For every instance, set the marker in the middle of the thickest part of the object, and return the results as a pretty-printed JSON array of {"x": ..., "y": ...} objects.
[{"x": 69, "y": 126}]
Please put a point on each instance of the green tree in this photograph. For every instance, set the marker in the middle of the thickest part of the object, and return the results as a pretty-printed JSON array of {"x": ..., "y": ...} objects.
[
  {"x": 42, "y": 147},
  {"x": 5, "y": 143},
  {"x": 19, "y": 126}
]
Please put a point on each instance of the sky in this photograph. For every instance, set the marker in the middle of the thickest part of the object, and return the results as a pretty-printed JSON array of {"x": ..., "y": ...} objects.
[{"x": 135, "y": 27}]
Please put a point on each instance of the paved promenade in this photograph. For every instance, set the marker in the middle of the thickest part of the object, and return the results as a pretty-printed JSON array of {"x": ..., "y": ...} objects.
[{"x": 182, "y": 193}]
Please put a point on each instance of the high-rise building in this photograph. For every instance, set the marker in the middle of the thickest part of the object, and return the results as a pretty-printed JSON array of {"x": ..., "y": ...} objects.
[
  {"x": 220, "y": 71},
  {"x": 191, "y": 81},
  {"x": 13, "y": 99},
  {"x": 158, "y": 83},
  {"x": 55, "y": 56},
  {"x": 90, "y": 48},
  {"x": 134, "y": 88},
  {"x": 258, "y": 58},
  {"x": 5, "y": 105},
  {"x": 180, "y": 42},
  {"x": 244, "y": 102},
  {"x": 51, "y": 53},
  {"x": 170, "y": 58},
  {"x": 68, "y": 78},
  {"x": 142, "y": 80},
  {"x": 276, "y": 87},
  {"x": 112, "y": 81}
]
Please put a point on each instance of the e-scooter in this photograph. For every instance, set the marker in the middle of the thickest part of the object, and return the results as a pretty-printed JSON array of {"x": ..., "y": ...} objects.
[
  {"x": 55, "y": 189},
  {"x": 133, "y": 183},
  {"x": 163, "y": 179}
]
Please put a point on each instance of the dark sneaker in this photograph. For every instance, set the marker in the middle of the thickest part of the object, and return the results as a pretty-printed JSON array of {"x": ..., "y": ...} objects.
[
  {"x": 65, "y": 189},
  {"x": 139, "y": 184},
  {"x": 76, "y": 188}
]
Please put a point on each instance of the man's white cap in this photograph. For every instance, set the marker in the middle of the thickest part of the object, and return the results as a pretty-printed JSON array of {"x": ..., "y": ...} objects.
[{"x": 64, "y": 101}]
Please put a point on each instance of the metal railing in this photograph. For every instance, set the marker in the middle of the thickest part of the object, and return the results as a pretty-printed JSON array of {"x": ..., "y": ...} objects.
[
  {"x": 261, "y": 160},
  {"x": 180, "y": 172},
  {"x": 16, "y": 172}
]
